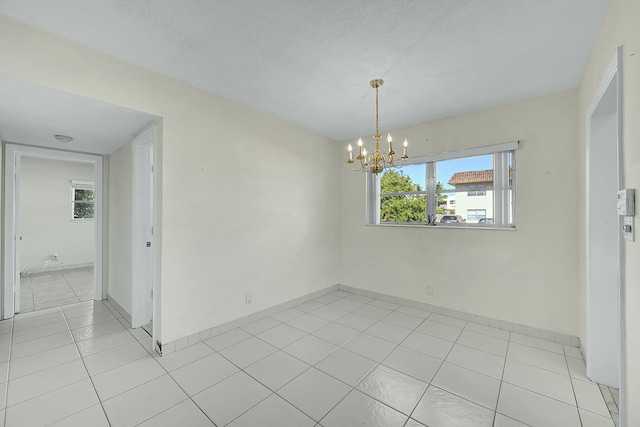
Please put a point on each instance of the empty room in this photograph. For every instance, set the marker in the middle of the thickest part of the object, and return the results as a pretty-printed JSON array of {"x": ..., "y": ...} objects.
[{"x": 319, "y": 213}]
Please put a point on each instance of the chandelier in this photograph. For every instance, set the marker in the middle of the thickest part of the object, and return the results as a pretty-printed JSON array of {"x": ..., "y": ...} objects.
[{"x": 377, "y": 161}]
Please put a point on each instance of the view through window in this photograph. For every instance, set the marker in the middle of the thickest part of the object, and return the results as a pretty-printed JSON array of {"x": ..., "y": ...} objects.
[{"x": 451, "y": 188}]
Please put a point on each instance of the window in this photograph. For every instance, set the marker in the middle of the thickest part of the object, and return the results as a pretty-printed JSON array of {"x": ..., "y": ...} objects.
[
  {"x": 476, "y": 190},
  {"x": 476, "y": 186},
  {"x": 82, "y": 200},
  {"x": 475, "y": 215}
]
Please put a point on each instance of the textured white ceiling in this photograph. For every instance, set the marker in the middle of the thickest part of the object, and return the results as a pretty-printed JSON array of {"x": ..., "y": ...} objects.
[
  {"x": 309, "y": 61},
  {"x": 33, "y": 115}
]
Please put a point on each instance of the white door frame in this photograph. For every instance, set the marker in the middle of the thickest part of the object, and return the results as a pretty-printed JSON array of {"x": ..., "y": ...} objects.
[
  {"x": 594, "y": 355},
  {"x": 144, "y": 220},
  {"x": 11, "y": 276}
]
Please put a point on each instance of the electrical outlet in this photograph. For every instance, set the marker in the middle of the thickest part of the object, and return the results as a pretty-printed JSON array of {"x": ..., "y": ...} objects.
[
  {"x": 247, "y": 298},
  {"x": 429, "y": 290}
]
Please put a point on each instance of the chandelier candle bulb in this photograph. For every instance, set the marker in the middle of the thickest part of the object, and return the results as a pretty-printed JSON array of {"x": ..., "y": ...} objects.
[
  {"x": 404, "y": 153},
  {"x": 390, "y": 141},
  {"x": 350, "y": 148}
]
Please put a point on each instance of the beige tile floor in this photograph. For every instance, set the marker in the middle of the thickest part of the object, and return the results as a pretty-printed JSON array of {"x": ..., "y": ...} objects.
[
  {"x": 55, "y": 289},
  {"x": 340, "y": 360}
]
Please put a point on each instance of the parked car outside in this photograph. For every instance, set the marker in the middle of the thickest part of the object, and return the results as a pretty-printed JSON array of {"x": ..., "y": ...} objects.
[
  {"x": 452, "y": 219},
  {"x": 485, "y": 221}
]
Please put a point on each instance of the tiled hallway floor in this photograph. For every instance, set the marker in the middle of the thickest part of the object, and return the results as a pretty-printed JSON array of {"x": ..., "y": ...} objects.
[
  {"x": 55, "y": 289},
  {"x": 340, "y": 360}
]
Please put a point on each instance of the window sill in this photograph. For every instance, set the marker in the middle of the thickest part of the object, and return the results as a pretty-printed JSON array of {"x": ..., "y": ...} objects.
[{"x": 449, "y": 227}]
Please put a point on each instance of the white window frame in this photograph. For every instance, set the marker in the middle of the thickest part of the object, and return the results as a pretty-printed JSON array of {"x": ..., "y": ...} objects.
[
  {"x": 81, "y": 185},
  {"x": 503, "y": 216}
]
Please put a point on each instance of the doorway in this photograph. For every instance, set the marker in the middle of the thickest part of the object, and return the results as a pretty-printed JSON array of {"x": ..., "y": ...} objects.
[
  {"x": 14, "y": 156},
  {"x": 604, "y": 242},
  {"x": 56, "y": 236}
]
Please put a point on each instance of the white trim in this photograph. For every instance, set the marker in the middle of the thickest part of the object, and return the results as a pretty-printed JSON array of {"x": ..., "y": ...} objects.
[
  {"x": 614, "y": 71},
  {"x": 13, "y": 155},
  {"x": 144, "y": 202},
  {"x": 467, "y": 152}
]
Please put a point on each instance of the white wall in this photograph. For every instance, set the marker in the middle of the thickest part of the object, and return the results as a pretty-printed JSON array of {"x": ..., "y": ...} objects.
[
  {"x": 120, "y": 227},
  {"x": 620, "y": 27},
  {"x": 45, "y": 215},
  {"x": 249, "y": 203},
  {"x": 529, "y": 276}
]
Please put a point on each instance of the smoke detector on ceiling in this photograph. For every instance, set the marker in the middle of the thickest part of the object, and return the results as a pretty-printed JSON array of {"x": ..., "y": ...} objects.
[{"x": 64, "y": 139}]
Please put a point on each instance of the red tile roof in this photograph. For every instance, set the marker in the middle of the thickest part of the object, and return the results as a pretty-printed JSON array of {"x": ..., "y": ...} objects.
[{"x": 471, "y": 177}]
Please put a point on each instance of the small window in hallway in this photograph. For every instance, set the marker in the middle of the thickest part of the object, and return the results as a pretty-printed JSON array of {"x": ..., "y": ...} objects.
[{"x": 82, "y": 200}]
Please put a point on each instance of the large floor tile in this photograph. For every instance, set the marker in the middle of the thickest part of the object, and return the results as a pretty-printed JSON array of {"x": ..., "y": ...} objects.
[
  {"x": 589, "y": 419},
  {"x": 336, "y": 334},
  {"x": 404, "y": 320},
  {"x": 203, "y": 373},
  {"x": 371, "y": 347},
  {"x": 185, "y": 413},
  {"x": 372, "y": 311},
  {"x": 260, "y": 325},
  {"x": 314, "y": 393},
  {"x": 590, "y": 398},
  {"x": 96, "y": 330},
  {"x": 143, "y": 402},
  {"x": 310, "y": 349},
  {"x": 183, "y": 357},
  {"x": 544, "y": 359},
  {"x": 358, "y": 409},
  {"x": 39, "y": 345},
  {"x": 281, "y": 335},
  {"x": 32, "y": 322},
  {"x": 488, "y": 330},
  {"x": 308, "y": 323},
  {"x": 428, "y": 344},
  {"x": 347, "y": 304},
  {"x": 126, "y": 377},
  {"x": 535, "y": 409},
  {"x": 347, "y": 366},
  {"x": 39, "y": 331},
  {"x": 388, "y": 331},
  {"x": 440, "y": 330},
  {"x": 458, "y": 323},
  {"x": 104, "y": 342},
  {"x": 53, "y": 406},
  {"x": 357, "y": 321},
  {"x": 471, "y": 385},
  {"x": 477, "y": 360},
  {"x": 277, "y": 369},
  {"x": 273, "y": 412},
  {"x": 89, "y": 319},
  {"x": 483, "y": 342},
  {"x": 231, "y": 398},
  {"x": 93, "y": 416},
  {"x": 329, "y": 313},
  {"x": 539, "y": 380},
  {"x": 537, "y": 343},
  {"x": 42, "y": 382},
  {"x": 248, "y": 352},
  {"x": 393, "y": 388},
  {"x": 106, "y": 360},
  {"x": 43, "y": 360},
  {"x": 227, "y": 339},
  {"x": 415, "y": 363},
  {"x": 439, "y": 408}
]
